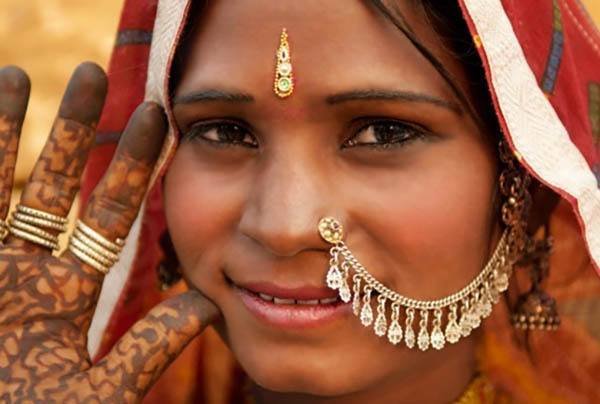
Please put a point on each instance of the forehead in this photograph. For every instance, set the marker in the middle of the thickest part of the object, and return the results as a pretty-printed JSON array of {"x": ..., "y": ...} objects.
[{"x": 335, "y": 45}]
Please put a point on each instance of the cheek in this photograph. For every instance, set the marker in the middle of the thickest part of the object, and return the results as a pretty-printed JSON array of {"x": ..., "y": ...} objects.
[
  {"x": 201, "y": 209},
  {"x": 431, "y": 223}
]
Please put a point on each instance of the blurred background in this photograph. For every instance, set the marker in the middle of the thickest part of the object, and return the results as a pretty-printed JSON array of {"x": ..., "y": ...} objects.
[{"x": 49, "y": 38}]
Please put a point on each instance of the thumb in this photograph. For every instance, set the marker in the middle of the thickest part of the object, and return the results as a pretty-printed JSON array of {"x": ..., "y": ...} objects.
[{"x": 149, "y": 347}]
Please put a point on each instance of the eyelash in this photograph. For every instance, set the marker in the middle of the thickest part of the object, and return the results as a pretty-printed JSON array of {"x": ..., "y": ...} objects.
[{"x": 405, "y": 133}]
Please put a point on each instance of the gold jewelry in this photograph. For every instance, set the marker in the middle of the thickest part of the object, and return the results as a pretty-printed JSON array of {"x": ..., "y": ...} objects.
[
  {"x": 463, "y": 309},
  {"x": 93, "y": 248},
  {"x": 475, "y": 299},
  {"x": 535, "y": 309},
  {"x": 41, "y": 214},
  {"x": 47, "y": 224},
  {"x": 34, "y": 239},
  {"x": 30, "y": 224},
  {"x": 284, "y": 79},
  {"x": 3, "y": 230}
]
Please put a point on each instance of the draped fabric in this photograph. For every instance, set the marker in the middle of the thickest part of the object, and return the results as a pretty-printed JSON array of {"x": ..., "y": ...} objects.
[{"x": 542, "y": 65}]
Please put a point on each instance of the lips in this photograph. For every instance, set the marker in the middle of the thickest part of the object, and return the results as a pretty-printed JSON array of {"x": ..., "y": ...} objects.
[{"x": 291, "y": 307}]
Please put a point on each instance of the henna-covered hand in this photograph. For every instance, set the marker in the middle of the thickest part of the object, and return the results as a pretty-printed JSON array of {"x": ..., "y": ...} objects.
[{"x": 47, "y": 302}]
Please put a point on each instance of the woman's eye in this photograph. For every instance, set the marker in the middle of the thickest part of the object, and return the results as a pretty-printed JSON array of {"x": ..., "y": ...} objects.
[
  {"x": 384, "y": 134},
  {"x": 223, "y": 134}
]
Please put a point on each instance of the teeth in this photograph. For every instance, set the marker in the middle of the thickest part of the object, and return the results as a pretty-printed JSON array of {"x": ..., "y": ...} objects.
[
  {"x": 308, "y": 302},
  {"x": 265, "y": 297},
  {"x": 328, "y": 300},
  {"x": 283, "y": 301},
  {"x": 313, "y": 302}
]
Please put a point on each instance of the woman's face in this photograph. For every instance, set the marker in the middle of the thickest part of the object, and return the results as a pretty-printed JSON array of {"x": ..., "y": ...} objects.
[{"x": 373, "y": 136}]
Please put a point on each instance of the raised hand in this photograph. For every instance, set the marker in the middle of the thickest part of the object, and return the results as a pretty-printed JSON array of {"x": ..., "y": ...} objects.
[{"x": 47, "y": 302}]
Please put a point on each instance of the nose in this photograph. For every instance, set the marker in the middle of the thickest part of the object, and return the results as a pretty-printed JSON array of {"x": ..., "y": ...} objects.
[{"x": 289, "y": 198}]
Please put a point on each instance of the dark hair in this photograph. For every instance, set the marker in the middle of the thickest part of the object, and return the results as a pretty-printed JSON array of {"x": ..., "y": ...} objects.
[{"x": 446, "y": 18}]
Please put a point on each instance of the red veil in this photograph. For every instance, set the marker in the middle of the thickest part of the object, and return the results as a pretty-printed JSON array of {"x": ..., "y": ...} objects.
[{"x": 542, "y": 64}]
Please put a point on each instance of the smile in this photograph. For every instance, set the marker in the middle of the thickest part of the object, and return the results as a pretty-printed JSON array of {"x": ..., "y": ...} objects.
[{"x": 292, "y": 308}]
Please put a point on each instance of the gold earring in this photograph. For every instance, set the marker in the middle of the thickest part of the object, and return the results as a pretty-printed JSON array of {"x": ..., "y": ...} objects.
[
  {"x": 284, "y": 79},
  {"x": 535, "y": 309}
]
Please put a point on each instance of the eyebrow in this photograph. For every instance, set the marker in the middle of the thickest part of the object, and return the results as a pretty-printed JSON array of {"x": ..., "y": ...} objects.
[
  {"x": 213, "y": 95},
  {"x": 391, "y": 95}
]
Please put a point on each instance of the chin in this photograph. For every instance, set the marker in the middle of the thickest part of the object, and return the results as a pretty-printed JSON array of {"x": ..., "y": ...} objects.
[
  {"x": 280, "y": 366},
  {"x": 300, "y": 377}
]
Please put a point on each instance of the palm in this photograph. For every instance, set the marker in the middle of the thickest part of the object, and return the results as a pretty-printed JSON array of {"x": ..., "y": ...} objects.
[{"x": 47, "y": 302}]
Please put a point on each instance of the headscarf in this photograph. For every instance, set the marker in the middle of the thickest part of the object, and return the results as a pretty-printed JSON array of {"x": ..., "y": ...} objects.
[{"x": 542, "y": 66}]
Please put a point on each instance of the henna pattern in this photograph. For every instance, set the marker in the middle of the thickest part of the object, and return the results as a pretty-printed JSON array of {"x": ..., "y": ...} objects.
[
  {"x": 14, "y": 87},
  {"x": 47, "y": 302},
  {"x": 9, "y": 141},
  {"x": 56, "y": 176}
]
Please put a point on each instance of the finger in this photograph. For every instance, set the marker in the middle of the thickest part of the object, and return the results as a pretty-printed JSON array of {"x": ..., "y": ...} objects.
[
  {"x": 147, "y": 349},
  {"x": 56, "y": 175},
  {"x": 115, "y": 202},
  {"x": 14, "y": 95}
]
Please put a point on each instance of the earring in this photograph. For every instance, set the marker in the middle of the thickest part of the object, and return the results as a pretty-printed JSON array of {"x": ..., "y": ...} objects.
[
  {"x": 433, "y": 323},
  {"x": 536, "y": 310}
]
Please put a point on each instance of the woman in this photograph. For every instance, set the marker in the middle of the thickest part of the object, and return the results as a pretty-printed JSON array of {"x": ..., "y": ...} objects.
[{"x": 311, "y": 169}]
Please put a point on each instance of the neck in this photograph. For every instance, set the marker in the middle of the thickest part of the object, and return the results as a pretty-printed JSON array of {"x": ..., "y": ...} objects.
[{"x": 441, "y": 382}]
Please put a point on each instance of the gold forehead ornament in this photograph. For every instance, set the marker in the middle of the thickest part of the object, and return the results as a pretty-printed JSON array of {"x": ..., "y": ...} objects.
[{"x": 284, "y": 79}]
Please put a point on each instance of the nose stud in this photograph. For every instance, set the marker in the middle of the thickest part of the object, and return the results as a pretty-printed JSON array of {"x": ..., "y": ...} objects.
[{"x": 331, "y": 230}]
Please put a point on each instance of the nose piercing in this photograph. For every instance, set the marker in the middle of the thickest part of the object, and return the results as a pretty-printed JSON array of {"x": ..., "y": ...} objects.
[{"x": 463, "y": 310}]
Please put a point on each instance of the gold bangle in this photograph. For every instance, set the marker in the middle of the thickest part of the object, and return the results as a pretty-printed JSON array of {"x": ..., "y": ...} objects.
[
  {"x": 33, "y": 238},
  {"x": 82, "y": 255},
  {"x": 41, "y": 214},
  {"x": 45, "y": 223},
  {"x": 97, "y": 248},
  {"x": 36, "y": 231},
  {"x": 114, "y": 246}
]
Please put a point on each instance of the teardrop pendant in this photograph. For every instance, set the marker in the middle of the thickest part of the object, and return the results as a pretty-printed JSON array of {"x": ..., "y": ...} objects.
[
  {"x": 409, "y": 334},
  {"x": 452, "y": 329},
  {"x": 380, "y": 321},
  {"x": 334, "y": 277},
  {"x": 437, "y": 336},
  {"x": 465, "y": 323},
  {"x": 394, "y": 333},
  {"x": 356, "y": 297},
  {"x": 423, "y": 338},
  {"x": 366, "y": 314}
]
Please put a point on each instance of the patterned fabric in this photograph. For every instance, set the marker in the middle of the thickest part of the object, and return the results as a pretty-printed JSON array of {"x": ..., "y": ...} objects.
[{"x": 544, "y": 78}]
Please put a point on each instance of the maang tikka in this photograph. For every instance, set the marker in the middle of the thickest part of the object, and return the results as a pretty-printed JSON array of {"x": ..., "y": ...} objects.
[
  {"x": 423, "y": 323},
  {"x": 284, "y": 79}
]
